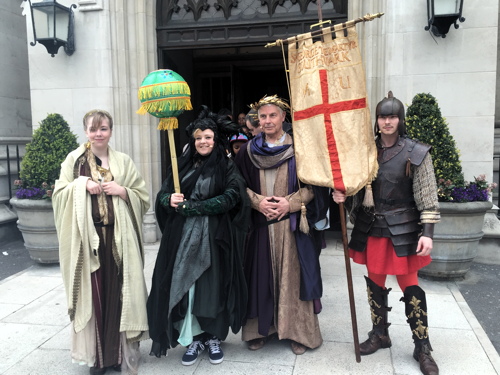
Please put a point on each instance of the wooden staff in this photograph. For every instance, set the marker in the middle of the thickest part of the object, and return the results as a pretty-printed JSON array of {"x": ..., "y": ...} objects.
[
  {"x": 173, "y": 159},
  {"x": 349, "y": 283}
]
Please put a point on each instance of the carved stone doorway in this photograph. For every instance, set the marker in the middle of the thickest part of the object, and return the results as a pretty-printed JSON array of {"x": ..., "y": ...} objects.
[
  {"x": 232, "y": 78},
  {"x": 229, "y": 78}
]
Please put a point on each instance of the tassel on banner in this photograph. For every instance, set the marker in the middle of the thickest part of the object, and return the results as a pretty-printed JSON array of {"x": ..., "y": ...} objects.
[
  {"x": 368, "y": 199},
  {"x": 304, "y": 225}
]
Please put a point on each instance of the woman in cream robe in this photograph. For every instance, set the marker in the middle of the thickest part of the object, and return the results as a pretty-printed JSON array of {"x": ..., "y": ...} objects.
[{"x": 99, "y": 202}]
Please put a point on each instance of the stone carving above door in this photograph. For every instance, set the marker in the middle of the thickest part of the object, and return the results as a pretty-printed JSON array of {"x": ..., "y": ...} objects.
[
  {"x": 195, "y": 6},
  {"x": 305, "y": 3},
  {"x": 194, "y": 23},
  {"x": 226, "y": 6},
  {"x": 170, "y": 7},
  {"x": 197, "y": 11}
]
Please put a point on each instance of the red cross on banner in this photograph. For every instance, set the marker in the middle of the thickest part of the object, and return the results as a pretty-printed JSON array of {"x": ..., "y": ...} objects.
[
  {"x": 333, "y": 139},
  {"x": 326, "y": 109}
]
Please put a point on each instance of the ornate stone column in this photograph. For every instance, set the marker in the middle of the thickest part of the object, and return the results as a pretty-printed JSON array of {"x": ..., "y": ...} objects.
[
  {"x": 133, "y": 54},
  {"x": 372, "y": 46}
]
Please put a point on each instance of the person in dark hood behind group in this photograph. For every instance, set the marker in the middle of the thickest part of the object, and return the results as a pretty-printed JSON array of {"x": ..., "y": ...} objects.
[
  {"x": 198, "y": 289},
  {"x": 241, "y": 119},
  {"x": 236, "y": 142},
  {"x": 225, "y": 113},
  {"x": 395, "y": 238}
]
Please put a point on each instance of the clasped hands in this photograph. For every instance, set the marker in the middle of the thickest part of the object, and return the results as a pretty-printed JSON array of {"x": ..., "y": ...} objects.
[
  {"x": 274, "y": 208},
  {"x": 109, "y": 188}
]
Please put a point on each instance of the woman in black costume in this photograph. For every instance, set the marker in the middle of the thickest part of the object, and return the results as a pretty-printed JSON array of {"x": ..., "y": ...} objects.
[{"x": 198, "y": 288}]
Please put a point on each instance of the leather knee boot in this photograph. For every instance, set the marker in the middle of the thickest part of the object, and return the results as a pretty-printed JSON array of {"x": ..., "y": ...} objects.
[
  {"x": 416, "y": 312},
  {"x": 378, "y": 337}
]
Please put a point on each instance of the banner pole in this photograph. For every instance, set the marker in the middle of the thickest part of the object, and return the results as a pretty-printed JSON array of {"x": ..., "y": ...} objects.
[
  {"x": 338, "y": 27},
  {"x": 349, "y": 283}
]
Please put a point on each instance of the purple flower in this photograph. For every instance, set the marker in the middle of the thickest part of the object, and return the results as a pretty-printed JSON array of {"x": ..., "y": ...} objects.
[
  {"x": 30, "y": 193},
  {"x": 477, "y": 190},
  {"x": 469, "y": 193}
]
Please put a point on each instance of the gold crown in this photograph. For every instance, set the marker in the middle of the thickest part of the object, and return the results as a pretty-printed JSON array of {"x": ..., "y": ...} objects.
[{"x": 274, "y": 99}]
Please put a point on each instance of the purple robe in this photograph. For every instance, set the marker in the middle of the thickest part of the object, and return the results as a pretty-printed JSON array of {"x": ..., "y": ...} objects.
[{"x": 257, "y": 261}]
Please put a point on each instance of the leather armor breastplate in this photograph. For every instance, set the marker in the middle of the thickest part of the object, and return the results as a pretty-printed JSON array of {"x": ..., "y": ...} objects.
[
  {"x": 392, "y": 189},
  {"x": 395, "y": 214}
]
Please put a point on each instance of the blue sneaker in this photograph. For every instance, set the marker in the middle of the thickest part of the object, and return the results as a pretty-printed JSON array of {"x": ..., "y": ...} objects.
[
  {"x": 189, "y": 358},
  {"x": 215, "y": 353}
]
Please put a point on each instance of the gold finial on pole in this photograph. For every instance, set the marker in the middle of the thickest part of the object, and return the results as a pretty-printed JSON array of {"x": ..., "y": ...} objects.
[{"x": 320, "y": 24}]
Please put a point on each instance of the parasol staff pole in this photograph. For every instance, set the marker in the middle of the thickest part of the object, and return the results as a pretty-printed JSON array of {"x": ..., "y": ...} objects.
[
  {"x": 349, "y": 283},
  {"x": 173, "y": 159},
  {"x": 338, "y": 27}
]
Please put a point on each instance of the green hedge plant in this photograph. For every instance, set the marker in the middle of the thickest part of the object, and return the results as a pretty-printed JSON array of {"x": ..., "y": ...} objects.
[
  {"x": 425, "y": 123},
  {"x": 41, "y": 165}
]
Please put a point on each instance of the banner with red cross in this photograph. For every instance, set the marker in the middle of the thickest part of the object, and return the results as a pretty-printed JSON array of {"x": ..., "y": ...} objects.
[{"x": 333, "y": 137}]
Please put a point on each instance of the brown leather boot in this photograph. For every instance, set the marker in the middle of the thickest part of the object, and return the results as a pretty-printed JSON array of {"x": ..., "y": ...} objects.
[
  {"x": 422, "y": 354},
  {"x": 416, "y": 312},
  {"x": 378, "y": 337}
]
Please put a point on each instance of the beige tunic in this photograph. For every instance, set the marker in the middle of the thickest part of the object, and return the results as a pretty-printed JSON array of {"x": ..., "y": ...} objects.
[{"x": 294, "y": 319}]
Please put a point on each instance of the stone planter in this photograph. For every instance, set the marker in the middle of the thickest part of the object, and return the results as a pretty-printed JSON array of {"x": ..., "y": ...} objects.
[
  {"x": 488, "y": 251},
  {"x": 456, "y": 239},
  {"x": 36, "y": 223}
]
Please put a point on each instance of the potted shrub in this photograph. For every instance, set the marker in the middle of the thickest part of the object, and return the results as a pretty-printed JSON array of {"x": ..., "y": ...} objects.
[
  {"x": 463, "y": 205},
  {"x": 40, "y": 167}
]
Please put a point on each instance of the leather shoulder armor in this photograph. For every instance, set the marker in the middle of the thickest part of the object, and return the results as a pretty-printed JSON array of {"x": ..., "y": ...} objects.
[{"x": 417, "y": 151}]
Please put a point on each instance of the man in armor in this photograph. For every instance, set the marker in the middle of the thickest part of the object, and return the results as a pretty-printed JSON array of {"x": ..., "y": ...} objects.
[{"x": 395, "y": 236}]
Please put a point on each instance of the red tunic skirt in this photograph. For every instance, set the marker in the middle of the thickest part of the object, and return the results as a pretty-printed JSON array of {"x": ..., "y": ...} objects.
[{"x": 380, "y": 258}]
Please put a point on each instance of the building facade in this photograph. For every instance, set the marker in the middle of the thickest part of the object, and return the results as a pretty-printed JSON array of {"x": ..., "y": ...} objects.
[
  {"x": 218, "y": 47},
  {"x": 15, "y": 109}
]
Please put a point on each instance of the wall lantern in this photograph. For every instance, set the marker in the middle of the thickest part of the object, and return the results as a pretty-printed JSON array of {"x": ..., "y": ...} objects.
[
  {"x": 442, "y": 14},
  {"x": 53, "y": 26}
]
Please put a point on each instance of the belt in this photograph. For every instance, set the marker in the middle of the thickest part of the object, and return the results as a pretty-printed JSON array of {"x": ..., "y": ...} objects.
[
  {"x": 101, "y": 225},
  {"x": 392, "y": 202},
  {"x": 287, "y": 216}
]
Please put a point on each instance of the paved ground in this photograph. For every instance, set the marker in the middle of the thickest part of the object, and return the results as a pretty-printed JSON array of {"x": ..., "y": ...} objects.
[
  {"x": 13, "y": 258},
  {"x": 481, "y": 290},
  {"x": 35, "y": 331}
]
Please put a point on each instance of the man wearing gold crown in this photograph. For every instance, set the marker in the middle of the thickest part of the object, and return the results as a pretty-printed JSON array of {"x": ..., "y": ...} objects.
[{"x": 282, "y": 254}]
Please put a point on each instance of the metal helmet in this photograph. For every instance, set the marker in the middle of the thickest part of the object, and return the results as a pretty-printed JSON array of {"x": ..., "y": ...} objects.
[{"x": 391, "y": 106}]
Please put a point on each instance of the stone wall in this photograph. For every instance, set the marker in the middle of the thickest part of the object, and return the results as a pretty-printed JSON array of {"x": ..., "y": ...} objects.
[
  {"x": 15, "y": 109},
  {"x": 115, "y": 49},
  {"x": 459, "y": 70}
]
